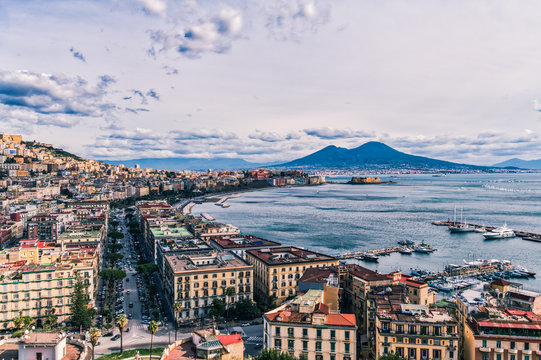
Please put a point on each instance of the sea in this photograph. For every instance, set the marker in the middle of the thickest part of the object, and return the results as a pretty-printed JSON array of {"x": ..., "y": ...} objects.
[{"x": 340, "y": 218}]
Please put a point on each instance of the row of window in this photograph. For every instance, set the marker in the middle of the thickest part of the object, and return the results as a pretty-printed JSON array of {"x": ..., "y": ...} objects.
[
  {"x": 214, "y": 276},
  {"x": 513, "y": 345},
  {"x": 485, "y": 356},
  {"x": 319, "y": 333},
  {"x": 411, "y": 353},
  {"x": 419, "y": 329},
  {"x": 305, "y": 347}
]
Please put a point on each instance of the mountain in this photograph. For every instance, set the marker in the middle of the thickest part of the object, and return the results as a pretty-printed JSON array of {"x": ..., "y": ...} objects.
[
  {"x": 187, "y": 163},
  {"x": 372, "y": 155},
  {"x": 522, "y": 164}
]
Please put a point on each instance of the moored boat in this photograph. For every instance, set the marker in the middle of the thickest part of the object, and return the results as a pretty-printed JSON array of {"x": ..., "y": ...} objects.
[
  {"x": 370, "y": 257},
  {"x": 499, "y": 233},
  {"x": 405, "y": 251}
]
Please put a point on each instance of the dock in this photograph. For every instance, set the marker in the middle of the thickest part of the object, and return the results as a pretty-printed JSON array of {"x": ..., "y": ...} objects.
[
  {"x": 207, "y": 217},
  {"x": 385, "y": 251},
  {"x": 526, "y": 235}
]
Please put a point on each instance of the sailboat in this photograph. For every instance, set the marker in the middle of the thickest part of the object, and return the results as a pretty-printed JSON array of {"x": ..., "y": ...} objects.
[{"x": 462, "y": 226}]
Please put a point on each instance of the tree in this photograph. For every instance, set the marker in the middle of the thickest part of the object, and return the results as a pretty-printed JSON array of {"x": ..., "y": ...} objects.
[
  {"x": 114, "y": 258},
  {"x": 114, "y": 223},
  {"x": 229, "y": 293},
  {"x": 81, "y": 312},
  {"x": 152, "y": 328},
  {"x": 217, "y": 308},
  {"x": 115, "y": 247},
  {"x": 52, "y": 319},
  {"x": 178, "y": 309},
  {"x": 116, "y": 235},
  {"x": 391, "y": 356},
  {"x": 272, "y": 354},
  {"x": 27, "y": 322},
  {"x": 246, "y": 309},
  {"x": 19, "y": 321},
  {"x": 94, "y": 337},
  {"x": 121, "y": 323}
]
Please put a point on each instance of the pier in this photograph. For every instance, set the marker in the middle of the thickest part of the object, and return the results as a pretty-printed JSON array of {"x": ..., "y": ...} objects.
[
  {"x": 385, "y": 251},
  {"x": 519, "y": 233}
]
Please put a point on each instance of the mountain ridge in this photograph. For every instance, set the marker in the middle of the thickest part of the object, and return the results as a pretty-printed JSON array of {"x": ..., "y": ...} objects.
[{"x": 522, "y": 164}]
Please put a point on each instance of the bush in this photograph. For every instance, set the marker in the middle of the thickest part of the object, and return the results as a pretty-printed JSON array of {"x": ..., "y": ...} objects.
[{"x": 17, "y": 333}]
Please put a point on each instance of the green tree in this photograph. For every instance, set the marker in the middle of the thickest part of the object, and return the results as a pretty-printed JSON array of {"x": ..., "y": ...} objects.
[
  {"x": 229, "y": 295},
  {"x": 272, "y": 354},
  {"x": 94, "y": 338},
  {"x": 114, "y": 223},
  {"x": 114, "y": 258},
  {"x": 152, "y": 328},
  {"x": 18, "y": 321},
  {"x": 81, "y": 312},
  {"x": 391, "y": 356},
  {"x": 246, "y": 309},
  {"x": 178, "y": 309},
  {"x": 52, "y": 319},
  {"x": 217, "y": 308},
  {"x": 121, "y": 322},
  {"x": 116, "y": 235},
  {"x": 115, "y": 247}
]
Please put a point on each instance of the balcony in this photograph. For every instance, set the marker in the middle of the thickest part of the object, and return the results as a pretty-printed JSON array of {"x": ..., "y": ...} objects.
[
  {"x": 538, "y": 352},
  {"x": 526, "y": 352},
  {"x": 512, "y": 351},
  {"x": 485, "y": 349},
  {"x": 498, "y": 350}
]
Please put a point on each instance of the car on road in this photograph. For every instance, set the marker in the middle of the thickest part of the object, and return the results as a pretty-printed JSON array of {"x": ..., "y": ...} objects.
[
  {"x": 110, "y": 333},
  {"x": 115, "y": 338},
  {"x": 245, "y": 324},
  {"x": 130, "y": 316}
]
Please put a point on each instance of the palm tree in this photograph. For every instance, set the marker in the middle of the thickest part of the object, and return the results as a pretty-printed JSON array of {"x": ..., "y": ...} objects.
[
  {"x": 94, "y": 337},
  {"x": 121, "y": 323},
  {"x": 19, "y": 321},
  {"x": 178, "y": 308},
  {"x": 152, "y": 328},
  {"x": 229, "y": 293}
]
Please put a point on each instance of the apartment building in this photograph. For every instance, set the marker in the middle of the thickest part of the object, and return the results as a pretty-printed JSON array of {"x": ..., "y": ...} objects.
[
  {"x": 277, "y": 270},
  {"x": 497, "y": 332},
  {"x": 43, "y": 227},
  {"x": 197, "y": 279},
  {"x": 412, "y": 331},
  {"x": 35, "y": 290},
  {"x": 311, "y": 326},
  {"x": 239, "y": 244}
]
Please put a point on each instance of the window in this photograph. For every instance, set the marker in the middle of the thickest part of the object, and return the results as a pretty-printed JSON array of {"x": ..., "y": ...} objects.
[
  {"x": 512, "y": 344},
  {"x": 484, "y": 343},
  {"x": 346, "y": 333},
  {"x": 333, "y": 334},
  {"x": 277, "y": 344},
  {"x": 526, "y": 357},
  {"x": 290, "y": 332},
  {"x": 277, "y": 331},
  {"x": 318, "y": 346},
  {"x": 526, "y": 346},
  {"x": 498, "y": 356},
  {"x": 512, "y": 357},
  {"x": 412, "y": 353},
  {"x": 291, "y": 344},
  {"x": 498, "y": 344},
  {"x": 484, "y": 356},
  {"x": 305, "y": 345},
  {"x": 318, "y": 333},
  {"x": 333, "y": 347},
  {"x": 346, "y": 348},
  {"x": 304, "y": 332},
  {"x": 436, "y": 354},
  {"x": 424, "y": 353}
]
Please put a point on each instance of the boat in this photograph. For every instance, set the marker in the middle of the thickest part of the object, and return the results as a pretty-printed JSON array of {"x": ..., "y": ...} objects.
[
  {"x": 499, "y": 233},
  {"x": 406, "y": 242},
  {"x": 370, "y": 257},
  {"x": 532, "y": 238},
  {"x": 405, "y": 251},
  {"x": 524, "y": 270},
  {"x": 421, "y": 249},
  {"x": 462, "y": 226}
]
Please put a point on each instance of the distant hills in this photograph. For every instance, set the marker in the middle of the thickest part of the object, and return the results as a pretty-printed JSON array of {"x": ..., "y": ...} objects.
[
  {"x": 372, "y": 156},
  {"x": 187, "y": 163},
  {"x": 522, "y": 164}
]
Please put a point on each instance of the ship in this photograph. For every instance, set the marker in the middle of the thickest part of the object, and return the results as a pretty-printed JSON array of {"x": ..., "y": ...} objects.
[{"x": 499, "y": 233}]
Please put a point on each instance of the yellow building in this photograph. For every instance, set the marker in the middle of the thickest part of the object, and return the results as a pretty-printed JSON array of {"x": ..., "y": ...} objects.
[
  {"x": 35, "y": 290},
  {"x": 277, "y": 270},
  {"x": 197, "y": 279},
  {"x": 306, "y": 326},
  {"x": 410, "y": 330}
]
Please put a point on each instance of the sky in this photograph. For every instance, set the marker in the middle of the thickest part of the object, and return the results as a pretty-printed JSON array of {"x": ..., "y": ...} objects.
[{"x": 273, "y": 80}]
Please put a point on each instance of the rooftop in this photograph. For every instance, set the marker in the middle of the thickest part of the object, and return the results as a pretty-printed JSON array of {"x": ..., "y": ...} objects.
[
  {"x": 208, "y": 261},
  {"x": 288, "y": 255},
  {"x": 45, "y": 338},
  {"x": 239, "y": 242},
  {"x": 170, "y": 231}
]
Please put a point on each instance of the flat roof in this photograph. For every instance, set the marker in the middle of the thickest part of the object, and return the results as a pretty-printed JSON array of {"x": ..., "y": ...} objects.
[
  {"x": 288, "y": 255},
  {"x": 170, "y": 231},
  {"x": 239, "y": 242},
  {"x": 208, "y": 261}
]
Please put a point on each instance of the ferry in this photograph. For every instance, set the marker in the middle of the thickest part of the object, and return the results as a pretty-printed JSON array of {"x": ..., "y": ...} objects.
[
  {"x": 499, "y": 233},
  {"x": 370, "y": 257}
]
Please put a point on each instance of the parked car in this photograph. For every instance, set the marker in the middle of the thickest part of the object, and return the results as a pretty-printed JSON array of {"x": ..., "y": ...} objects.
[
  {"x": 245, "y": 324},
  {"x": 115, "y": 338}
]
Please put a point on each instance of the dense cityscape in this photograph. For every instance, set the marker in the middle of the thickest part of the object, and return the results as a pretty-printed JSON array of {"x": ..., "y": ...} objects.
[{"x": 99, "y": 259}]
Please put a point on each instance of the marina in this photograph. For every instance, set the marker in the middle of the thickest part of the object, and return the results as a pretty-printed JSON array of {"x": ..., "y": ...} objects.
[
  {"x": 407, "y": 247},
  {"x": 525, "y": 235}
]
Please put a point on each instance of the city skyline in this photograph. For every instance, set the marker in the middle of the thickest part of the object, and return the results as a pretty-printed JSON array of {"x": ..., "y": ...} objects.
[{"x": 268, "y": 82}]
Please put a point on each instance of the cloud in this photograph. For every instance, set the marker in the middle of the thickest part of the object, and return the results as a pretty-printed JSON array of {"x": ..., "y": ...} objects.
[
  {"x": 330, "y": 133},
  {"x": 181, "y": 135},
  {"x": 273, "y": 136},
  {"x": 212, "y": 34},
  {"x": 153, "y": 94},
  {"x": 154, "y": 7},
  {"x": 287, "y": 19},
  {"x": 78, "y": 55},
  {"x": 57, "y": 100},
  {"x": 170, "y": 70}
]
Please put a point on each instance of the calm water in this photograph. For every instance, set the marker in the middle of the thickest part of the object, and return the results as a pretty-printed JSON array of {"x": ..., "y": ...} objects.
[{"x": 338, "y": 218}]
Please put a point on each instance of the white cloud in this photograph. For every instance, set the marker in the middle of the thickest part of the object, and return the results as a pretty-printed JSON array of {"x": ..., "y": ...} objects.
[{"x": 156, "y": 7}]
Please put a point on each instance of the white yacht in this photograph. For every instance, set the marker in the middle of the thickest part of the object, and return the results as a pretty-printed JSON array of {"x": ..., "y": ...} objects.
[{"x": 499, "y": 233}]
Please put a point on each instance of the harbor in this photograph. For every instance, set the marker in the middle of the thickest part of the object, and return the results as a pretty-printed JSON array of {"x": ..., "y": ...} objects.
[
  {"x": 406, "y": 247},
  {"x": 464, "y": 226}
]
